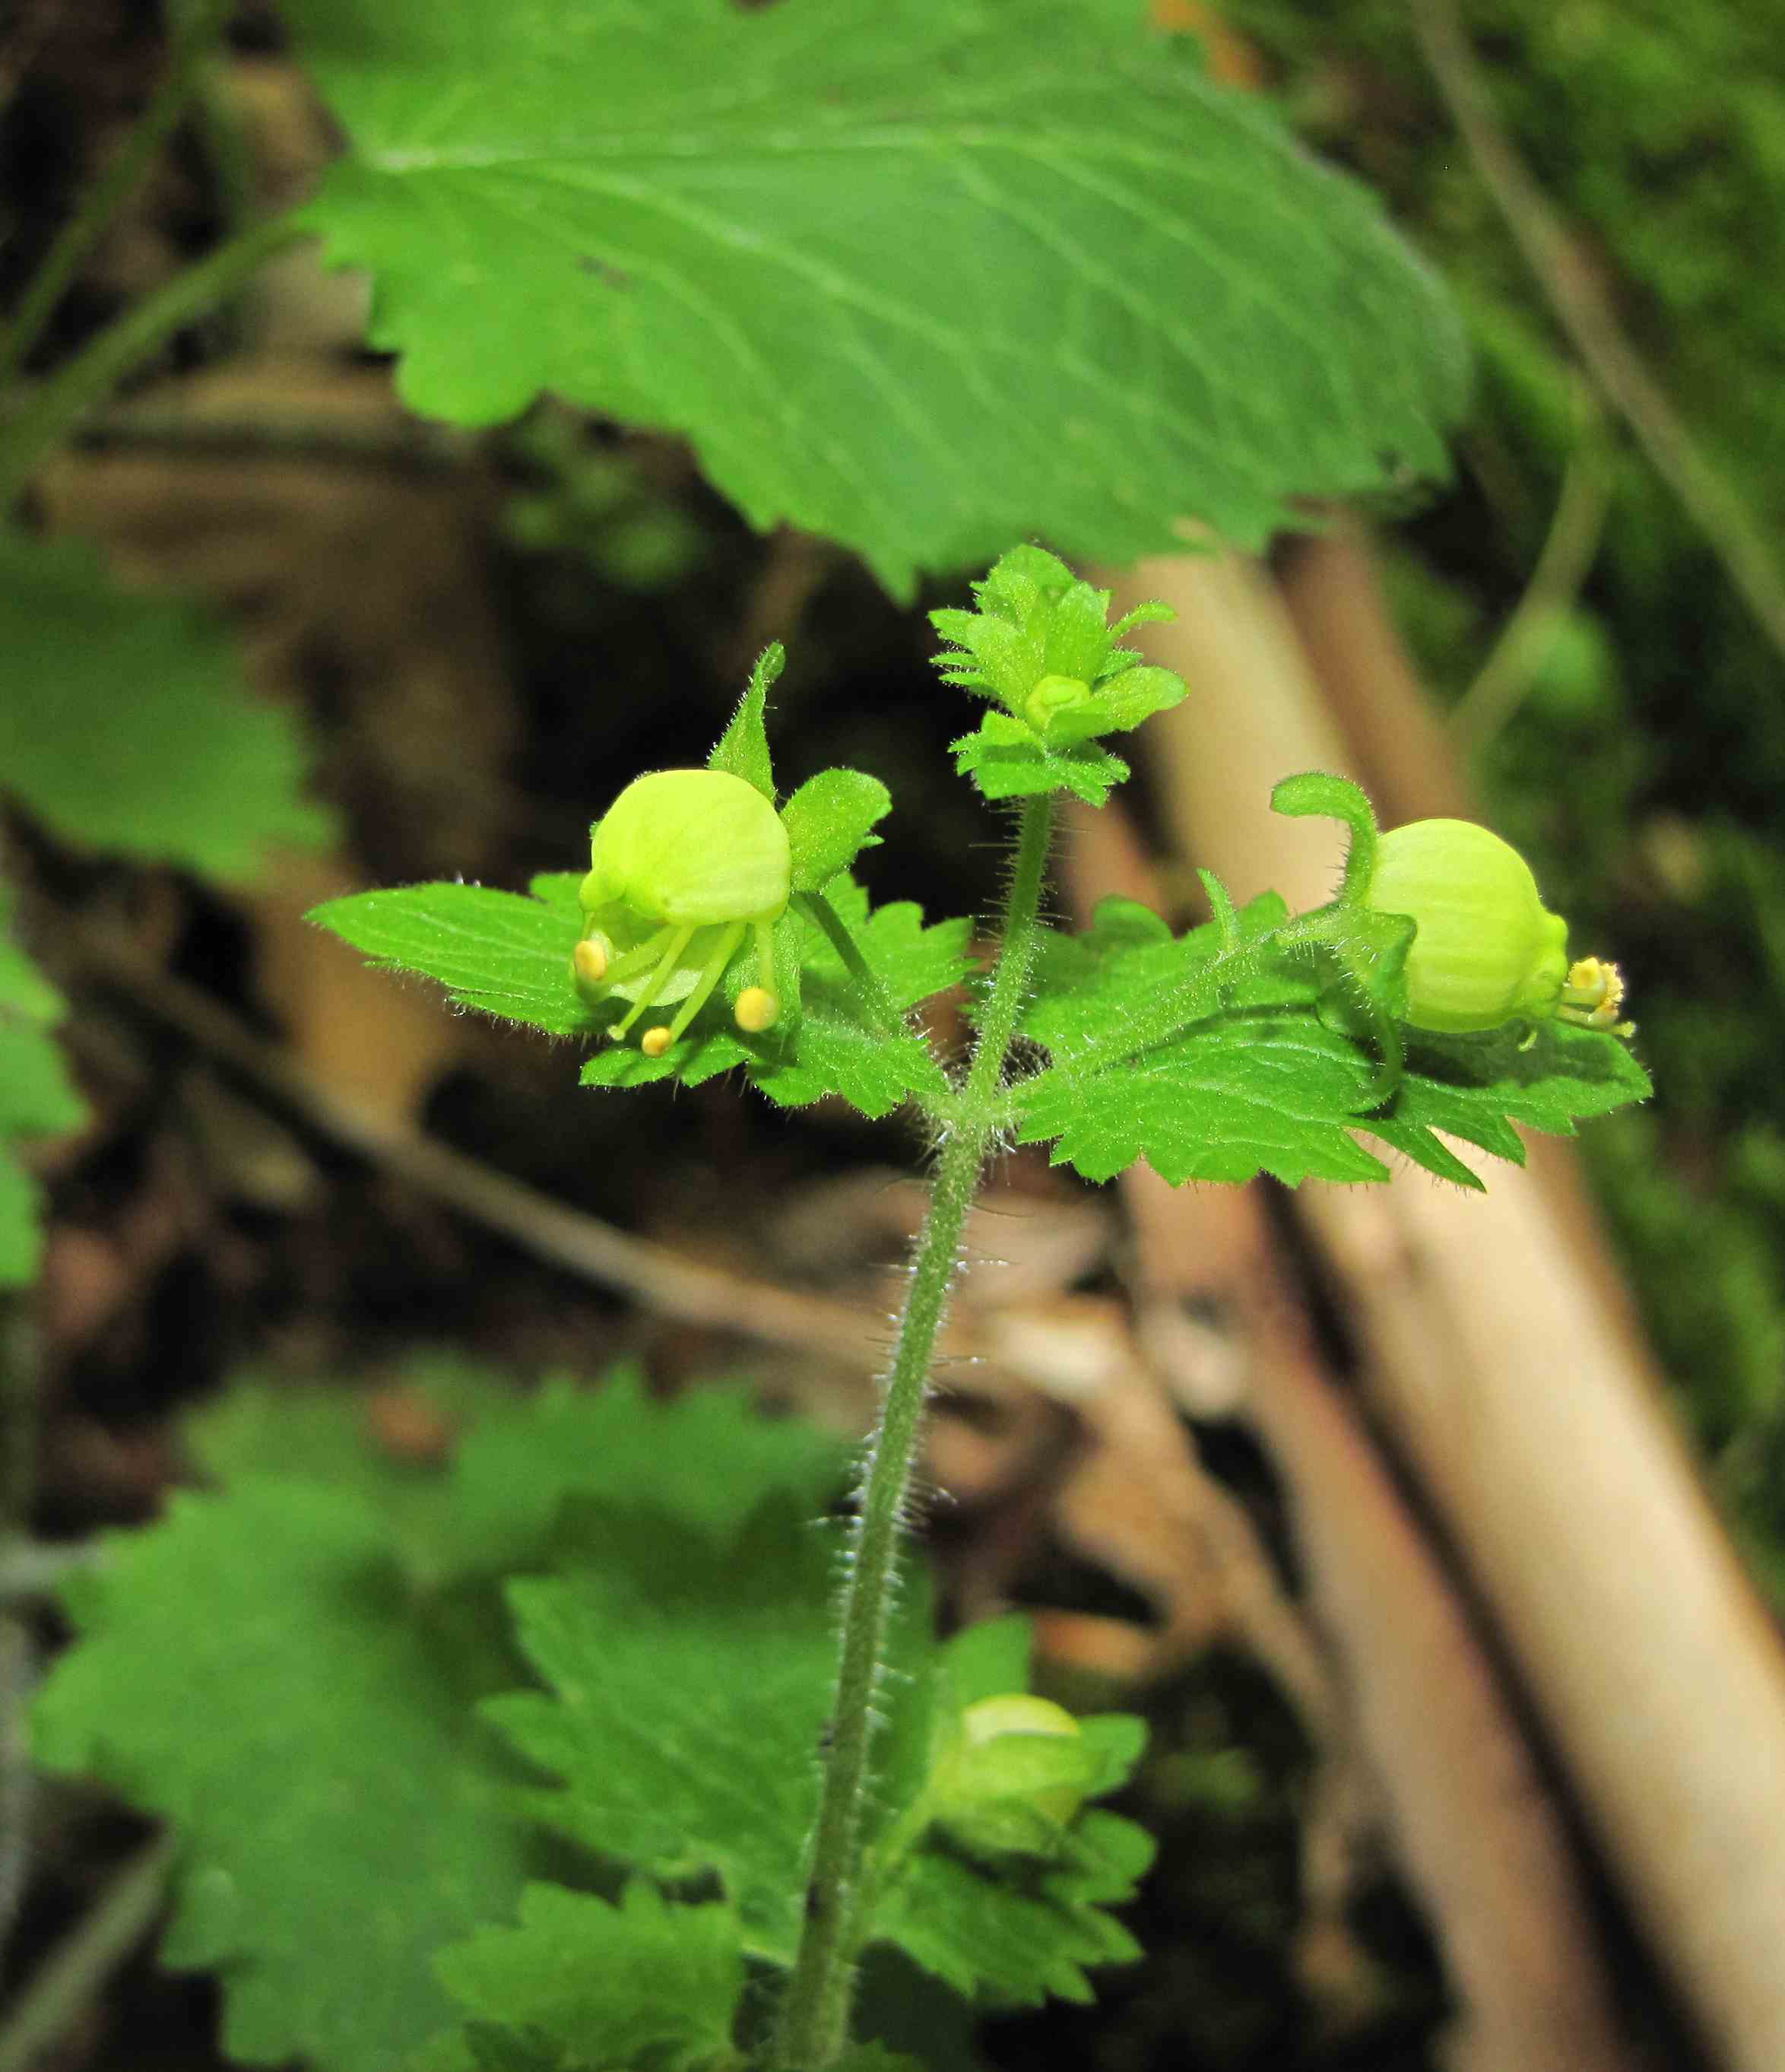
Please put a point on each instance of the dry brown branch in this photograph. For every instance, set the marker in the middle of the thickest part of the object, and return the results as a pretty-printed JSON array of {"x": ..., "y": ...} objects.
[
  {"x": 656, "y": 1274},
  {"x": 1419, "y": 1702},
  {"x": 1534, "y": 1425}
]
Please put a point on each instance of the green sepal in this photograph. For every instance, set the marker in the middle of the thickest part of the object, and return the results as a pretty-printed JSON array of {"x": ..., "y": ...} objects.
[
  {"x": 1006, "y": 760},
  {"x": 829, "y": 821},
  {"x": 743, "y": 748}
]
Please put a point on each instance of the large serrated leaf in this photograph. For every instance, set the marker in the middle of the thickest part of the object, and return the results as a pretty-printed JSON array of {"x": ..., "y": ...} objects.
[
  {"x": 340, "y": 1814},
  {"x": 585, "y": 1983},
  {"x": 926, "y": 277},
  {"x": 288, "y": 1672},
  {"x": 1254, "y": 1082},
  {"x": 690, "y": 1681}
]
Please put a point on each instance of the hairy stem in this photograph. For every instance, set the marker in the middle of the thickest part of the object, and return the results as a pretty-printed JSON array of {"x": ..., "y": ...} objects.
[
  {"x": 814, "y": 2018},
  {"x": 874, "y": 995},
  {"x": 194, "y": 39},
  {"x": 87, "y": 381}
]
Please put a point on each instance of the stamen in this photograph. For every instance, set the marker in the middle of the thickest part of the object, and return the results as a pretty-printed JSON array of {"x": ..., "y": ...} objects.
[
  {"x": 588, "y": 961},
  {"x": 723, "y": 950},
  {"x": 655, "y": 1041},
  {"x": 641, "y": 959},
  {"x": 759, "y": 1006},
  {"x": 1594, "y": 982},
  {"x": 757, "y": 1009},
  {"x": 1594, "y": 996},
  {"x": 679, "y": 940}
]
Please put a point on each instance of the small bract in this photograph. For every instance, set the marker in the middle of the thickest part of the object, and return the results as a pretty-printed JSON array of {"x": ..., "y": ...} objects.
[
  {"x": 1487, "y": 952},
  {"x": 683, "y": 866}
]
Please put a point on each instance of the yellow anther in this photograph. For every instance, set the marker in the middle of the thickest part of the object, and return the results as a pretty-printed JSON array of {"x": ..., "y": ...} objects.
[
  {"x": 588, "y": 961},
  {"x": 757, "y": 1009},
  {"x": 655, "y": 1041},
  {"x": 1594, "y": 996}
]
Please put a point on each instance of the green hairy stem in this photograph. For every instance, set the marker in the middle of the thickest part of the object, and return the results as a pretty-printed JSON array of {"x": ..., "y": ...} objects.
[{"x": 815, "y": 2019}]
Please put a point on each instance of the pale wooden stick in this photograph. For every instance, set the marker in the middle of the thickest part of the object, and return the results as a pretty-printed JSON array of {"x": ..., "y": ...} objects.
[
  {"x": 1481, "y": 1840},
  {"x": 1536, "y": 1428}
]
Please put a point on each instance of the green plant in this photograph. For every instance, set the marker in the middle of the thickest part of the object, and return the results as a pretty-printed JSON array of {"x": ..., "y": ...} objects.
[
  {"x": 869, "y": 274},
  {"x": 870, "y": 281},
  {"x": 1207, "y": 1053}
]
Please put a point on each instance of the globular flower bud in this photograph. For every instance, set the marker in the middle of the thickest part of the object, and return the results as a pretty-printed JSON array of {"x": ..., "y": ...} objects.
[
  {"x": 683, "y": 867},
  {"x": 700, "y": 846},
  {"x": 1488, "y": 951},
  {"x": 1015, "y": 1777}
]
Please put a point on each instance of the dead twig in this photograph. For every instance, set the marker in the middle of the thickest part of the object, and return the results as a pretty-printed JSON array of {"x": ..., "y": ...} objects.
[
  {"x": 71, "y": 1977},
  {"x": 657, "y": 1276},
  {"x": 1405, "y": 1710}
]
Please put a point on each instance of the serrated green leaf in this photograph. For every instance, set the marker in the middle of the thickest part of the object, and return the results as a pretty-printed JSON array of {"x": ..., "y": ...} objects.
[
  {"x": 829, "y": 820},
  {"x": 1006, "y": 760},
  {"x": 1017, "y": 1935},
  {"x": 499, "y": 952},
  {"x": 255, "y": 1670},
  {"x": 743, "y": 748},
  {"x": 924, "y": 278},
  {"x": 129, "y": 726},
  {"x": 591, "y": 1986},
  {"x": 340, "y": 1814},
  {"x": 487, "y": 1505},
  {"x": 1238, "y": 1095},
  {"x": 1257, "y": 1082},
  {"x": 708, "y": 1459},
  {"x": 691, "y": 1679},
  {"x": 1476, "y": 1088},
  {"x": 507, "y": 955}
]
